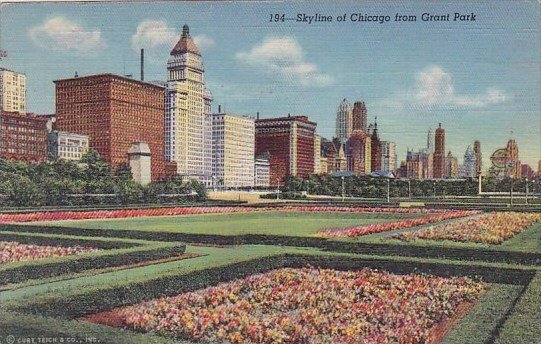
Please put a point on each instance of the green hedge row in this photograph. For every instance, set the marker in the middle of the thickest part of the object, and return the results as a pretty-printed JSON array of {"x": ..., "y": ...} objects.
[
  {"x": 73, "y": 306},
  {"x": 437, "y": 252},
  {"x": 62, "y": 242},
  {"x": 34, "y": 272}
]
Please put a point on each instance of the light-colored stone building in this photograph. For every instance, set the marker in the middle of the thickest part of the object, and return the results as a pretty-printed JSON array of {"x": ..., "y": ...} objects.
[
  {"x": 140, "y": 160},
  {"x": 12, "y": 91},
  {"x": 67, "y": 146},
  {"x": 317, "y": 154},
  {"x": 262, "y": 172},
  {"x": 344, "y": 120},
  {"x": 233, "y": 147},
  {"x": 188, "y": 119},
  {"x": 389, "y": 162}
]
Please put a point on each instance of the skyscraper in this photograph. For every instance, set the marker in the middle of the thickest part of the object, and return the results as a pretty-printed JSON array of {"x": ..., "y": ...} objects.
[
  {"x": 233, "y": 150},
  {"x": 439, "y": 153},
  {"x": 451, "y": 166},
  {"x": 389, "y": 162},
  {"x": 289, "y": 142},
  {"x": 344, "y": 121},
  {"x": 12, "y": 91},
  {"x": 469, "y": 166},
  {"x": 115, "y": 112},
  {"x": 375, "y": 154},
  {"x": 430, "y": 141},
  {"x": 478, "y": 158},
  {"x": 188, "y": 119},
  {"x": 359, "y": 121},
  {"x": 513, "y": 163}
]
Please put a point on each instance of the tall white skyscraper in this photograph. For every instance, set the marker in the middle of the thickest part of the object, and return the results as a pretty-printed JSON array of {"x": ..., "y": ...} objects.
[
  {"x": 389, "y": 161},
  {"x": 188, "y": 118},
  {"x": 344, "y": 120}
]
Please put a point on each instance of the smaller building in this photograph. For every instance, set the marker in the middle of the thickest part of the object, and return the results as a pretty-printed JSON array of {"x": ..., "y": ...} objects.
[
  {"x": 262, "y": 171},
  {"x": 140, "y": 159},
  {"x": 233, "y": 139},
  {"x": 23, "y": 137},
  {"x": 67, "y": 146},
  {"x": 12, "y": 91}
]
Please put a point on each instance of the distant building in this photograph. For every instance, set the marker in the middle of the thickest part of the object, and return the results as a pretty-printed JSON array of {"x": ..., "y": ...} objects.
[
  {"x": 344, "y": 121},
  {"x": 23, "y": 137},
  {"x": 289, "y": 141},
  {"x": 468, "y": 168},
  {"x": 317, "y": 154},
  {"x": 359, "y": 117},
  {"x": 430, "y": 141},
  {"x": 414, "y": 168},
  {"x": 375, "y": 148},
  {"x": 359, "y": 153},
  {"x": 114, "y": 112},
  {"x": 12, "y": 91},
  {"x": 439, "y": 153},
  {"x": 451, "y": 166},
  {"x": 478, "y": 158},
  {"x": 389, "y": 162},
  {"x": 526, "y": 171},
  {"x": 262, "y": 171},
  {"x": 233, "y": 150},
  {"x": 188, "y": 119},
  {"x": 514, "y": 170},
  {"x": 67, "y": 146}
]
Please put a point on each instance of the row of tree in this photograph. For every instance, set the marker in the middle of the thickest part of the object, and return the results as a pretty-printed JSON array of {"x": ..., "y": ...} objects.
[
  {"x": 61, "y": 182},
  {"x": 370, "y": 187}
]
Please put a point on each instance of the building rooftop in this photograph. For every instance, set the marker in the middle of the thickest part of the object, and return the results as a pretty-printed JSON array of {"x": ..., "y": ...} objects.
[
  {"x": 111, "y": 75},
  {"x": 185, "y": 44}
]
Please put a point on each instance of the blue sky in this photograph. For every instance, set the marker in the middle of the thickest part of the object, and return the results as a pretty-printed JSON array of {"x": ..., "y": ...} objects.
[{"x": 481, "y": 79}]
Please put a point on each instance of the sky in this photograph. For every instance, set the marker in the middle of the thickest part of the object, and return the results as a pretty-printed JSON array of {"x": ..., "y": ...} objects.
[{"x": 481, "y": 79}]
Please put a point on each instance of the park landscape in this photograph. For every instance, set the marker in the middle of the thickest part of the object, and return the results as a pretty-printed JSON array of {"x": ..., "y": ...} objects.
[{"x": 272, "y": 273}]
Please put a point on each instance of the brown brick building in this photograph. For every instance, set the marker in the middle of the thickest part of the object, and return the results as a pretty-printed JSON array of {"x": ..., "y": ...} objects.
[
  {"x": 290, "y": 144},
  {"x": 439, "y": 153},
  {"x": 114, "y": 111},
  {"x": 23, "y": 137}
]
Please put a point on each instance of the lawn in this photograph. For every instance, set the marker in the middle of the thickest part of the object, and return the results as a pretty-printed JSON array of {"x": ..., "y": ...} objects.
[{"x": 270, "y": 223}]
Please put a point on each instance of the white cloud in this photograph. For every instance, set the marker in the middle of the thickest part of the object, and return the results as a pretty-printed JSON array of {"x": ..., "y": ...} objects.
[
  {"x": 203, "y": 41},
  {"x": 59, "y": 33},
  {"x": 153, "y": 34},
  {"x": 434, "y": 86},
  {"x": 156, "y": 34},
  {"x": 285, "y": 56}
]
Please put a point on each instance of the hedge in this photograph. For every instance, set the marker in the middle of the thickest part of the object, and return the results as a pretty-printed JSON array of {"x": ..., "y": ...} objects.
[
  {"x": 74, "y": 306},
  {"x": 63, "y": 242},
  {"x": 496, "y": 256},
  {"x": 114, "y": 259}
]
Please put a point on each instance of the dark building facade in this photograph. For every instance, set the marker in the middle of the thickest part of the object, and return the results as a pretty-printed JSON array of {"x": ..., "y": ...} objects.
[
  {"x": 114, "y": 111},
  {"x": 375, "y": 154},
  {"x": 359, "y": 117},
  {"x": 23, "y": 137},
  {"x": 289, "y": 142},
  {"x": 439, "y": 153}
]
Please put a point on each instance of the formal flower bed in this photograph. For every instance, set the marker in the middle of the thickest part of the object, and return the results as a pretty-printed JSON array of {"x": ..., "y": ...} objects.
[
  {"x": 16, "y": 252},
  {"x": 492, "y": 228},
  {"x": 126, "y": 213},
  {"x": 394, "y": 225},
  {"x": 305, "y": 306}
]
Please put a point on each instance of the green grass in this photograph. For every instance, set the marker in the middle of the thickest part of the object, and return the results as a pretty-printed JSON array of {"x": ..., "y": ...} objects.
[
  {"x": 478, "y": 325},
  {"x": 523, "y": 326},
  {"x": 270, "y": 223}
]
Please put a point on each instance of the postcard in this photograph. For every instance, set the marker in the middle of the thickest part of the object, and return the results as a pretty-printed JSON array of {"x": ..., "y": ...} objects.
[{"x": 270, "y": 172}]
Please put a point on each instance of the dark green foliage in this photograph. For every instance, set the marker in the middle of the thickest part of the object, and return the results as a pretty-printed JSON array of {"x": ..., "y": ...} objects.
[{"x": 64, "y": 183}]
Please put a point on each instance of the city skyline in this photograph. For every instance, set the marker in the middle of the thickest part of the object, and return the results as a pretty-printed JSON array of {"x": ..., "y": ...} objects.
[{"x": 480, "y": 86}]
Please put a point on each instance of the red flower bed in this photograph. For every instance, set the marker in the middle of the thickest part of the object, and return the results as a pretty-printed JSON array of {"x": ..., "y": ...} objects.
[
  {"x": 112, "y": 214},
  {"x": 391, "y": 226},
  {"x": 16, "y": 252},
  {"x": 306, "y": 306},
  {"x": 493, "y": 228}
]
